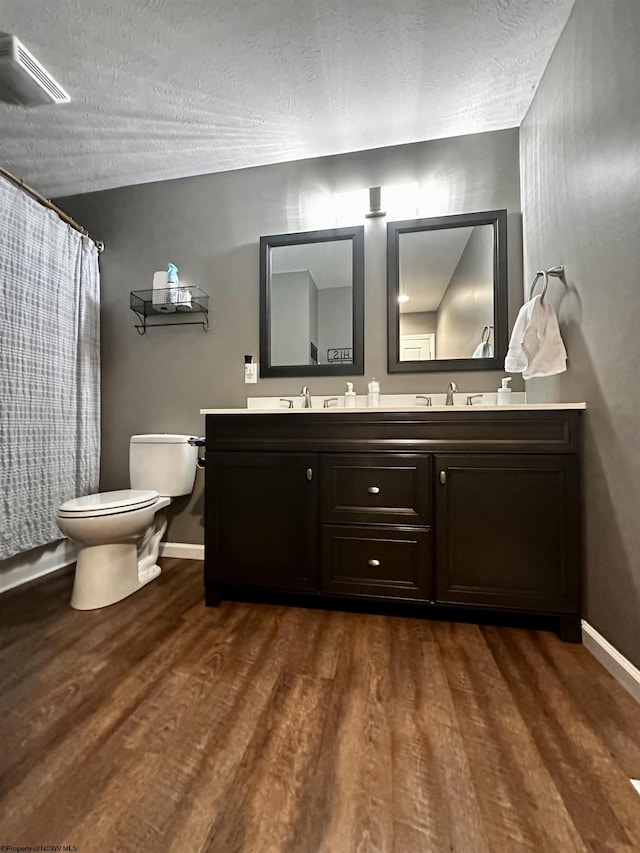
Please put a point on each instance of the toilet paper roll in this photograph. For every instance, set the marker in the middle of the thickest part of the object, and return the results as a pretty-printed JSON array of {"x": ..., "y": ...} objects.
[
  {"x": 183, "y": 300},
  {"x": 160, "y": 280},
  {"x": 165, "y": 307},
  {"x": 161, "y": 293}
]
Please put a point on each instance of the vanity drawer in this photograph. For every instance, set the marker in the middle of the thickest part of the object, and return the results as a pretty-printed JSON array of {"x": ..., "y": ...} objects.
[
  {"x": 376, "y": 488},
  {"x": 373, "y": 561}
]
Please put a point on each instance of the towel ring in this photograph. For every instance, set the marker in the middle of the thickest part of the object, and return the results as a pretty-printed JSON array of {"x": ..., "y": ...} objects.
[{"x": 557, "y": 272}]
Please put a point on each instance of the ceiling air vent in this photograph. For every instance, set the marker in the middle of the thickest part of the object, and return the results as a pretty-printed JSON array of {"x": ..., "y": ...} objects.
[{"x": 23, "y": 80}]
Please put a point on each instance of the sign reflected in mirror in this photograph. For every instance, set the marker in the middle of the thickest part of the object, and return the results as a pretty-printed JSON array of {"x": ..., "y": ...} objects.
[
  {"x": 312, "y": 303},
  {"x": 447, "y": 292}
]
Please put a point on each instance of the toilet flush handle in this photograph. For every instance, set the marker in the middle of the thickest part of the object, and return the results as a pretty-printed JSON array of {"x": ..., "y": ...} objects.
[{"x": 198, "y": 442}]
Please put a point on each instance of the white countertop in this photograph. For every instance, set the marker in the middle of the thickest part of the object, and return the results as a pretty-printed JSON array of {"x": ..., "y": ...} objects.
[{"x": 514, "y": 407}]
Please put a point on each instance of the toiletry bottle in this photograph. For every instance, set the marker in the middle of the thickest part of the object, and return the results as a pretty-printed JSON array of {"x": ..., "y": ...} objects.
[
  {"x": 250, "y": 370},
  {"x": 172, "y": 275},
  {"x": 504, "y": 393},
  {"x": 373, "y": 393},
  {"x": 172, "y": 285},
  {"x": 349, "y": 397}
]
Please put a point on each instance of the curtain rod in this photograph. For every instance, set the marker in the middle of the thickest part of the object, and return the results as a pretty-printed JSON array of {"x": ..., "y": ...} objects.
[{"x": 50, "y": 205}]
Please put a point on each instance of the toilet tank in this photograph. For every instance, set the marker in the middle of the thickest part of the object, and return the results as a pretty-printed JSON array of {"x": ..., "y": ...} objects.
[{"x": 163, "y": 462}]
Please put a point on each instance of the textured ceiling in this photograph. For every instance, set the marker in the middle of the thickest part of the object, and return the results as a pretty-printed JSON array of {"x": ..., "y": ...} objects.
[{"x": 167, "y": 88}]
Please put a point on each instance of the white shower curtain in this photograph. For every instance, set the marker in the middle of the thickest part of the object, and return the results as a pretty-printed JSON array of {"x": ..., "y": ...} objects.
[{"x": 49, "y": 369}]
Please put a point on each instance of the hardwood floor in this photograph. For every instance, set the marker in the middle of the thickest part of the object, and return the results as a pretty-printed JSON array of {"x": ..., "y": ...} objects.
[{"x": 159, "y": 725}]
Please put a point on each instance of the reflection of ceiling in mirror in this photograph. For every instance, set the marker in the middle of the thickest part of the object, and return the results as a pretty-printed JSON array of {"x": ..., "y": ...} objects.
[
  {"x": 428, "y": 260},
  {"x": 329, "y": 263}
]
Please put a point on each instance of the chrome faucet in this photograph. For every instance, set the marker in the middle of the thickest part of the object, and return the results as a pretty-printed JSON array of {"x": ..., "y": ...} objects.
[
  {"x": 306, "y": 394},
  {"x": 450, "y": 391}
]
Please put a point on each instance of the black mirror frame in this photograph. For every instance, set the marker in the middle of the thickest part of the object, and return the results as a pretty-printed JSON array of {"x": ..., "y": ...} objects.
[
  {"x": 497, "y": 218},
  {"x": 356, "y": 235}
]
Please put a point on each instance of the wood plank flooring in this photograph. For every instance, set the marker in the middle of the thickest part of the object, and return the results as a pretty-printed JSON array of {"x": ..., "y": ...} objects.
[{"x": 160, "y": 725}]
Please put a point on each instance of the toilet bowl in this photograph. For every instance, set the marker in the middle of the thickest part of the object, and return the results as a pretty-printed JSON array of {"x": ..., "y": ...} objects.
[{"x": 119, "y": 532}]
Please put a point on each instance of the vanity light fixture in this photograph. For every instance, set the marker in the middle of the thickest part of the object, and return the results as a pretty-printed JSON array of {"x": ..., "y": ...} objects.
[
  {"x": 403, "y": 298},
  {"x": 375, "y": 207}
]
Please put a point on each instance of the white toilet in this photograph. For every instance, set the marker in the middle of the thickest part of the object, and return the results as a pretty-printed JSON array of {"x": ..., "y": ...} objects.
[{"x": 119, "y": 532}]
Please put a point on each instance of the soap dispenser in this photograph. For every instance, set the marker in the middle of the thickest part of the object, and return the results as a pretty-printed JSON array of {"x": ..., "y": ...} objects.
[
  {"x": 350, "y": 397},
  {"x": 504, "y": 393},
  {"x": 373, "y": 393}
]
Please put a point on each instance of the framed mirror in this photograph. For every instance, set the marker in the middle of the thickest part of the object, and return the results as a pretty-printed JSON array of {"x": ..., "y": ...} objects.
[
  {"x": 447, "y": 293},
  {"x": 312, "y": 303}
]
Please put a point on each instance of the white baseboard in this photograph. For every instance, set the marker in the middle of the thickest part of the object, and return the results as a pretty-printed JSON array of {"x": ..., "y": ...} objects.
[
  {"x": 35, "y": 563},
  {"x": 624, "y": 672},
  {"x": 49, "y": 558},
  {"x": 185, "y": 550}
]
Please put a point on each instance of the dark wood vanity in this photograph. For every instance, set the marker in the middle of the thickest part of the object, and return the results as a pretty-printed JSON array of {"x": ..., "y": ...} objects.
[{"x": 457, "y": 509}]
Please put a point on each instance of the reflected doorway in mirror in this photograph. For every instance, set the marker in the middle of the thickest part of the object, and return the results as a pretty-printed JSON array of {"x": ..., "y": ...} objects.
[{"x": 417, "y": 347}]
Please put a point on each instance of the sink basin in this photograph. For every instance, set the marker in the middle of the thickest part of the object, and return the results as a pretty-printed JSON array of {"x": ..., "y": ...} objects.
[{"x": 400, "y": 402}]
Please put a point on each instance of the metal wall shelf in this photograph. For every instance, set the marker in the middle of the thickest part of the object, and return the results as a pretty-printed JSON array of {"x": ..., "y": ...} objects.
[{"x": 170, "y": 306}]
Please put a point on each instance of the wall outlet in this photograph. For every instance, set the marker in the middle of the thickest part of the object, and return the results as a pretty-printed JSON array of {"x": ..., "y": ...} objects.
[{"x": 250, "y": 373}]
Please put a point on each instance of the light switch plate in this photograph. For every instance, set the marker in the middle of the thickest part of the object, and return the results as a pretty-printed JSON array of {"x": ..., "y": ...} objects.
[{"x": 251, "y": 373}]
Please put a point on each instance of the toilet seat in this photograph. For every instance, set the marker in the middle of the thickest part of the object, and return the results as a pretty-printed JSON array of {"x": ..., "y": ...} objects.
[{"x": 108, "y": 503}]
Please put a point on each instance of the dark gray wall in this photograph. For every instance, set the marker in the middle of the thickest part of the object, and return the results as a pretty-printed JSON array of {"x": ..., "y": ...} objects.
[
  {"x": 294, "y": 318},
  {"x": 335, "y": 324},
  {"x": 210, "y": 227},
  {"x": 467, "y": 305},
  {"x": 313, "y": 317},
  {"x": 580, "y": 163}
]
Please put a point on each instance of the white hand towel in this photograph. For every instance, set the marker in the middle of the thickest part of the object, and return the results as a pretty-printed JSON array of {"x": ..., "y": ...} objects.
[
  {"x": 536, "y": 347},
  {"x": 483, "y": 350},
  {"x": 516, "y": 360}
]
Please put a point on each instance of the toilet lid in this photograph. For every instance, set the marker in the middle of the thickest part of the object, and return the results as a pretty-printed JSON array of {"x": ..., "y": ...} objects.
[{"x": 108, "y": 502}]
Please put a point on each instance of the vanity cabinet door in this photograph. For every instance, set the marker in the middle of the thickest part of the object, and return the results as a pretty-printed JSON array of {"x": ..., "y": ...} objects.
[
  {"x": 261, "y": 527},
  {"x": 507, "y": 531}
]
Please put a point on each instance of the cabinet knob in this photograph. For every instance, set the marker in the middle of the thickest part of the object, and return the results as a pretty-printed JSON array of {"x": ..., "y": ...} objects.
[
  {"x": 309, "y": 473},
  {"x": 373, "y": 490},
  {"x": 443, "y": 477},
  {"x": 374, "y": 562}
]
